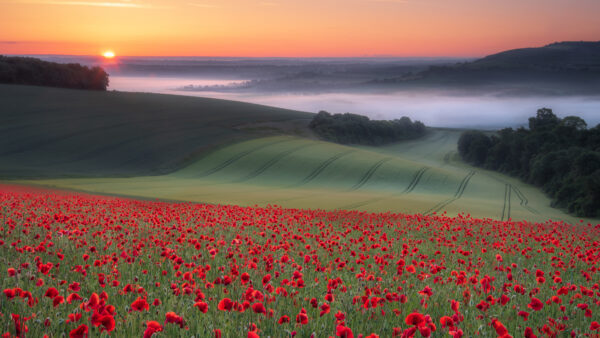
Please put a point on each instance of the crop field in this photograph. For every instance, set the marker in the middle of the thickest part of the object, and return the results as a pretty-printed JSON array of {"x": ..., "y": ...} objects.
[
  {"x": 51, "y": 132},
  {"x": 98, "y": 266},
  {"x": 421, "y": 176}
]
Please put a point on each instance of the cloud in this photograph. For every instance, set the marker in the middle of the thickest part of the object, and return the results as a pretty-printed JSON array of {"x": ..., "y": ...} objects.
[
  {"x": 116, "y": 4},
  {"x": 10, "y": 42}
]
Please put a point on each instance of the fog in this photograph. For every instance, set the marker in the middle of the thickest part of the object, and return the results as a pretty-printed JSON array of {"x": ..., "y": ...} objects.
[{"x": 456, "y": 109}]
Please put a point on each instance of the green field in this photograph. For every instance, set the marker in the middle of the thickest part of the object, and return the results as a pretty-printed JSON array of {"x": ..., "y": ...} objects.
[{"x": 234, "y": 153}]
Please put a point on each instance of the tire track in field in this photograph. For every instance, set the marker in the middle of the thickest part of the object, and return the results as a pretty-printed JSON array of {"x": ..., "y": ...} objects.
[
  {"x": 524, "y": 200},
  {"x": 411, "y": 186},
  {"x": 238, "y": 156},
  {"x": 416, "y": 178},
  {"x": 458, "y": 194},
  {"x": 318, "y": 170},
  {"x": 367, "y": 176},
  {"x": 272, "y": 162},
  {"x": 506, "y": 206}
]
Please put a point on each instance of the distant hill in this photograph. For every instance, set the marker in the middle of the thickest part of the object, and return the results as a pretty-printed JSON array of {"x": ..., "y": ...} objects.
[
  {"x": 560, "y": 56},
  {"x": 557, "y": 68}
]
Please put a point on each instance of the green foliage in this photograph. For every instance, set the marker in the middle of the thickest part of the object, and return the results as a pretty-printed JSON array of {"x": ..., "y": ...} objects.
[
  {"x": 32, "y": 71},
  {"x": 560, "y": 155},
  {"x": 357, "y": 129}
]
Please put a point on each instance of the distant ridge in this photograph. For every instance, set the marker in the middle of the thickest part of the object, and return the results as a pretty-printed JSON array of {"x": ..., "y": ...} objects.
[
  {"x": 560, "y": 68},
  {"x": 568, "y": 55}
]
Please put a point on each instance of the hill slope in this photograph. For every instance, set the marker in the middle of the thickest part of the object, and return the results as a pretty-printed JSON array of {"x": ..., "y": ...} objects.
[
  {"x": 563, "y": 68},
  {"x": 59, "y": 132}
]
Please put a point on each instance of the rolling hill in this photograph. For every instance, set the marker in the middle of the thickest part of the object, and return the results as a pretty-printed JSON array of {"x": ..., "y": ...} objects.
[
  {"x": 223, "y": 152},
  {"x": 561, "y": 68},
  {"x": 58, "y": 132}
]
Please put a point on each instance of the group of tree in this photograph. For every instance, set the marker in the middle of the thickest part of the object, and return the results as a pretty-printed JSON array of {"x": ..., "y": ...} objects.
[
  {"x": 560, "y": 155},
  {"x": 357, "y": 129},
  {"x": 32, "y": 71}
]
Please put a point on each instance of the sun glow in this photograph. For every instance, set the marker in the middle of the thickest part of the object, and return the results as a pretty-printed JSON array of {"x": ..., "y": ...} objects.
[{"x": 109, "y": 54}]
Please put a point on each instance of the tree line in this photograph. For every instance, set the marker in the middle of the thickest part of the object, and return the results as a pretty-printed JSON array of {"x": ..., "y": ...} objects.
[
  {"x": 357, "y": 129},
  {"x": 562, "y": 156},
  {"x": 32, "y": 71}
]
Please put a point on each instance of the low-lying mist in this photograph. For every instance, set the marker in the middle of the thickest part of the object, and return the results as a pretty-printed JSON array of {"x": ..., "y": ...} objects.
[{"x": 437, "y": 108}]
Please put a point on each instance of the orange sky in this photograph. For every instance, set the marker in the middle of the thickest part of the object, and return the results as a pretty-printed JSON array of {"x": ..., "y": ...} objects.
[{"x": 291, "y": 27}]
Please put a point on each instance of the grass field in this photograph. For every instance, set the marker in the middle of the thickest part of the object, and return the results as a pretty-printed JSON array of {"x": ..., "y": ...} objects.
[
  {"x": 203, "y": 150},
  {"x": 58, "y": 132},
  {"x": 421, "y": 177}
]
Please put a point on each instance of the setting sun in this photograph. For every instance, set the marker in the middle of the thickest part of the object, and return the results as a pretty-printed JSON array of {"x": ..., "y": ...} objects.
[{"x": 108, "y": 54}]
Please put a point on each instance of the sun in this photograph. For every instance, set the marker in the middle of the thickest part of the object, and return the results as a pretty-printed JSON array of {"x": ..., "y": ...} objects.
[{"x": 109, "y": 54}]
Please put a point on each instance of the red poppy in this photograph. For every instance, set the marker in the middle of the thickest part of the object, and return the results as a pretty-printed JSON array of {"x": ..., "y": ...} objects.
[
  {"x": 80, "y": 332},
  {"x": 151, "y": 328},
  {"x": 258, "y": 308},
  {"x": 172, "y": 317},
  {"x": 202, "y": 306},
  {"x": 225, "y": 304},
  {"x": 414, "y": 319},
  {"x": 140, "y": 304},
  {"x": 51, "y": 293},
  {"x": 58, "y": 300},
  {"x": 343, "y": 332},
  {"x": 535, "y": 304},
  {"x": 9, "y": 293}
]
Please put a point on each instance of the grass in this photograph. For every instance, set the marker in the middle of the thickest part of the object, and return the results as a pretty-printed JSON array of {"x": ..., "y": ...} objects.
[
  {"x": 298, "y": 172},
  {"x": 59, "y": 132},
  {"x": 215, "y": 151}
]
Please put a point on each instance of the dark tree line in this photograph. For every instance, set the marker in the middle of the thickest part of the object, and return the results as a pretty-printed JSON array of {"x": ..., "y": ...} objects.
[
  {"x": 32, "y": 71},
  {"x": 357, "y": 129},
  {"x": 562, "y": 156}
]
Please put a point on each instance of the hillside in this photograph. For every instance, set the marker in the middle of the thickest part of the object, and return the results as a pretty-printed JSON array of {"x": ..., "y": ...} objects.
[
  {"x": 224, "y": 152},
  {"x": 560, "y": 56},
  {"x": 59, "y": 132},
  {"x": 571, "y": 68}
]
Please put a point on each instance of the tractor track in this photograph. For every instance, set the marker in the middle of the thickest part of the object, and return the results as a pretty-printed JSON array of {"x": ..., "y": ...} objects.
[
  {"x": 415, "y": 180},
  {"x": 272, "y": 162},
  {"x": 457, "y": 195},
  {"x": 318, "y": 170},
  {"x": 235, "y": 158},
  {"x": 367, "y": 176}
]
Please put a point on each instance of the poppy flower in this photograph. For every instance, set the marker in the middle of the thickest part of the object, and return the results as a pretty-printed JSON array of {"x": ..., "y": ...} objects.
[
  {"x": 343, "y": 332},
  {"x": 140, "y": 304},
  {"x": 51, "y": 293},
  {"x": 258, "y": 308},
  {"x": 283, "y": 319},
  {"x": 9, "y": 293},
  {"x": 202, "y": 306},
  {"x": 106, "y": 323},
  {"x": 172, "y": 317},
  {"x": 414, "y": 319},
  {"x": 151, "y": 328},
  {"x": 535, "y": 304},
  {"x": 225, "y": 304},
  {"x": 58, "y": 300},
  {"x": 80, "y": 332}
]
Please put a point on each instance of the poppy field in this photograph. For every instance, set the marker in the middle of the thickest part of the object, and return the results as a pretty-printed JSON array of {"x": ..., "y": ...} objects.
[{"x": 90, "y": 266}]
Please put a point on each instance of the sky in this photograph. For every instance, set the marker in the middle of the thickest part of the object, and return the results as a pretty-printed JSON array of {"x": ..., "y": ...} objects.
[{"x": 292, "y": 28}]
